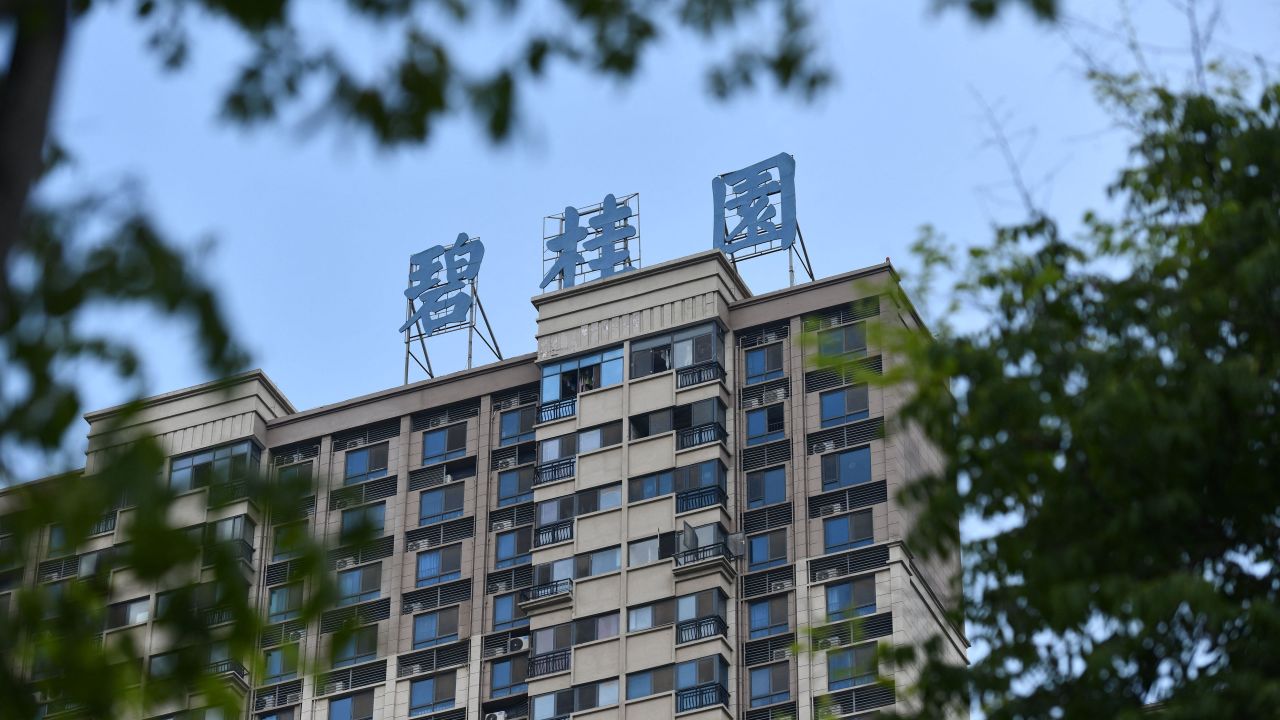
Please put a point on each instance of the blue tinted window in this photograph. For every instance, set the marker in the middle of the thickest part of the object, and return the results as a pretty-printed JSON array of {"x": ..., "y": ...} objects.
[
  {"x": 844, "y": 405},
  {"x": 766, "y": 487},
  {"x": 847, "y": 531},
  {"x": 515, "y": 486},
  {"x": 765, "y": 425},
  {"x": 851, "y": 467},
  {"x": 506, "y": 613}
]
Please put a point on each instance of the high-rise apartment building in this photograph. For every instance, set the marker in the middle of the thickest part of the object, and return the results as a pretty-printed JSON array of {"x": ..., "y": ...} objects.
[{"x": 642, "y": 520}]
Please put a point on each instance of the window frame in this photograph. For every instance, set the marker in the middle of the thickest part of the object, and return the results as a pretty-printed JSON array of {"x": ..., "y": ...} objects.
[
  {"x": 832, "y": 465},
  {"x": 850, "y": 521},
  {"x": 846, "y": 415},
  {"x": 768, "y": 373},
  {"x": 763, "y": 500},
  {"x": 372, "y": 453},
  {"x": 521, "y": 434},
  {"x": 772, "y": 625},
  {"x": 769, "y": 539},
  {"x": 773, "y": 695},
  {"x": 445, "y": 492},
  {"x": 445, "y": 575},
  {"x": 358, "y": 640},
  {"x": 774, "y": 429},
  {"x": 364, "y": 592}
]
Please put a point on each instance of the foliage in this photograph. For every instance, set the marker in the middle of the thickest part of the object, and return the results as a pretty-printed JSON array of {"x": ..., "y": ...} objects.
[{"x": 1113, "y": 429}]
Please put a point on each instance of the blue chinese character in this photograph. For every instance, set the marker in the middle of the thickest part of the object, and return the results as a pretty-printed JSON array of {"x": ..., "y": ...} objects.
[
  {"x": 746, "y": 194},
  {"x": 565, "y": 245},
  {"x": 441, "y": 302},
  {"x": 609, "y": 242}
]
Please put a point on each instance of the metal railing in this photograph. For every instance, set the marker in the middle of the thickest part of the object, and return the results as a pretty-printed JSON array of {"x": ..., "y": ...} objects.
[
  {"x": 700, "y": 554},
  {"x": 223, "y": 667},
  {"x": 702, "y": 497},
  {"x": 699, "y": 628},
  {"x": 552, "y": 662},
  {"x": 223, "y": 493},
  {"x": 700, "y": 435},
  {"x": 700, "y": 696},
  {"x": 217, "y": 616},
  {"x": 104, "y": 525},
  {"x": 547, "y": 590},
  {"x": 554, "y": 533},
  {"x": 698, "y": 374},
  {"x": 554, "y": 470},
  {"x": 558, "y": 410}
]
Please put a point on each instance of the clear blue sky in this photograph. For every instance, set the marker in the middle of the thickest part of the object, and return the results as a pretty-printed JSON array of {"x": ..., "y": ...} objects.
[{"x": 313, "y": 233}]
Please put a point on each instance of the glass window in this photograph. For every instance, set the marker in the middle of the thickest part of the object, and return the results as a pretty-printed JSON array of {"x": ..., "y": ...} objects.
[
  {"x": 650, "y": 486},
  {"x": 432, "y": 694},
  {"x": 642, "y": 552},
  {"x": 57, "y": 541},
  {"x": 366, "y": 521},
  {"x": 765, "y": 425},
  {"x": 444, "y": 444},
  {"x": 770, "y": 684},
  {"x": 507, "y": 612},
  {"x": 651, "y": 423},
  {"x": 842, "y": 469},
  {"x": 651, "y": 356},
  {"x": 712, "y": 668},
  {"x": 847, "y": 339},
  {"x": 697, "y": 346},
  {"x": 516, "y": 426},
  {"x": 851, "y": 666},
  {"x": 131, "y": 612},
  {"x": 766, "y": 487},
  {"x": 435, "y": 628},
  {"x": 600, "y": 437},
  {"x": 507, "y": 677},
  {"x": 605, "y": 497},
  {"x": 162, "y": 665},
  {"x": 851, "y": 598},
  {"x": 361, "y": 645},
  {"x": 367, "y": 463},
  {"x": 438, "y": 566},
  {"x": 286, "y": 714},
  {"x": 281, "y": 663},
  {"x": 844, "y": 405},
  {"x": 284, "y": 602},
  {"x": 767, "y": 550},
  {"x": 603, "y": 561},
  {"x": 286, "y": 541},
  {"x": 512, "y": 547},
  {"x": 557, "y": 448},
  {"x": 568, "y": 378},
  {"x": 515, "y": 486},
  {"x": 649, "y": 682},
  {"x": 764, "y": 364},
  {"x": 224, "y": 464},
  {"x": 768, "y": 616},
  {"x": 440, "y": 504},
  {"x": 352, "y": 707},
  {"x": 847, "y": 531},
  {"x": 361, "y": 584}
]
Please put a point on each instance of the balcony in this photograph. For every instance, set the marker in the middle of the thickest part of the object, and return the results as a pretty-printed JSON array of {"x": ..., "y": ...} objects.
[
  {"x": 225, "y": 493},
  {"x": 104, "y": 524},
  {"x": 700, "y": 435},
  {"x": 556, "y": 532},
  {"x": 217, "y": 616},
  {"x": 701, "y": 696},
  {"x": 238, "y": 549},
  {"x": 546, "y": 594},
  {"x": 706, "y": 558},
  {"x": 700, "y": 629},
  {"x": 709, "y": 371},
  {"x": 558, "y": 410},
  {"x": 699, "y": 498},
  {"x": 554, "y": 471},
  {"x": 550, "y": 663},
  {"x": 230, "y": 669}
]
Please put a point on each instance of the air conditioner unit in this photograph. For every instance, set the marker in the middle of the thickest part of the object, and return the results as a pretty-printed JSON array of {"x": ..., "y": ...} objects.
[
  {"x": 268, "y": 702},
  {"x": 777, "y": 585},
  {"x": 415, "y": 668},
  {"x": 826, "y": 643},
  {"x": 828, "y": 574},
  {"x": 344, "y": 563},
  {"x": 352, "y": 443},
  {"x": 295, "y": 634},
  {"x": 414, "y": 546},
  {"x": 503, "y": 525},
  {"x": 338, "y": 686},
  {"x": 501, "y": 586},
  {"x": 500, "y": 715},
  {"x": 781, "y": 653},
  {"x": 831, "y": 509},
  {"x": 518, "y": 644}
]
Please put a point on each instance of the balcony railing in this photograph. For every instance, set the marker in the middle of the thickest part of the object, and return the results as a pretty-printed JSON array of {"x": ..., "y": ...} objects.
[
  {"x": 700, "y": 435},
  {"x": 558, "y": 410},
  {"x": 700, "y": 628},
  {"x": 701, "y": 554},
  {"x": 217, "y": 616},
  {"x": 698, "y": 374},
  {"x": 700, "y": 696},
  {"x": 227, "y": 667},
  {"x": 699, "y": 498},
  {"x": 548, "y": 663},
  {"x": 104, "y": 525},
  {"x": 554, "y": 470},
  {"x": 546, "y": 590},
  {"x": 239, "y": 549},
  {"x": 556, "y": 532},
  {"x": 224, "y": 493}
]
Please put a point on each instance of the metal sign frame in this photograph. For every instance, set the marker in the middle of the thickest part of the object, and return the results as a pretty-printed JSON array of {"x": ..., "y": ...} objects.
[
  {"x": 416, "y": 333},
  {"x": 553, "y": 226}
]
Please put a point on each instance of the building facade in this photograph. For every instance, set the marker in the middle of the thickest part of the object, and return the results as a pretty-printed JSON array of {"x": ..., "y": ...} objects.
[{"x": 644, "y": 519}]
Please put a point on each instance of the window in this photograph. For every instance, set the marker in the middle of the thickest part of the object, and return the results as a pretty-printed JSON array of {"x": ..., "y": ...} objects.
[
  {"x": 577, "y": 632},
  {"x": 579, "y": 566},
  {"x": 847, "y": 531},
  {"x": 366, "y": 521},
  {"x": 605, "y": 497},
  {"x": 286, "y": 714},
  {"x": 367, "y": 463},
  {"x": 507, "y": 677},
  {"x": 770, "y": 684},
  {"x": 512, "y": 547},
  {"x": 705, "y": 603},
  {"x": 851, "y": 598},
  {"x": 515, "y": 486},
  {"x": 361, "y": 645},
  {"x": 844, "y": 405},
  {"x": 765, "y": 425},
  {"x": 162, "y": 665},
  {"x": 219, "y": 465},
  {"x": 281, "y": 663},
  {"x": 286, "y": 541},
  {"x": 651, "y": 423},
  {"x": 567, "y": 378},
  {"x": 649, "y": 357},
  {"x": 557, "y": 448},
  {"x": 764, "y": 364},
  {"x": 507, "y": 613},
  {"x": 440, "y": 504},
  {"x": 579, "y": 698},
  {"x": 650, "y": 486},
  {"x": 851, "y": 666},
  {"x": 361, "y": 584},
  {"x": 284, "y": 603},
  {"x": 352, "y": 707},
  {"x": 766, "y": 487},
  {"x": 696, "y": 414},
  {"x": 57, "y": 541},
  {"x": 299, "y": 473},
  {"x": 689, "y": 477},
  {"x": 431, "y": 694},
  {"x": 435, "y": 628},
  {"x": 768, "y": 616},
  {"x": 600, "y": 437},
  {"x": 438, "y": 566},
  {"x": 131, "y": 612},
  {"x": 516, "y": 426},
  {"x": 444, "y": 444},
  {"x": 842, "y": 469},
  {"x": 847, "y": 339},
  {"x": 651, "y": 550},
  {"x": 692, "y": 673},
  {"x": 767, "y": 550},
  {"x": 603, "y": 561},
  {"x": 650, "y": 616},
  {"x": 649, "y": 682},
  {"x": 683, "y": 349}
]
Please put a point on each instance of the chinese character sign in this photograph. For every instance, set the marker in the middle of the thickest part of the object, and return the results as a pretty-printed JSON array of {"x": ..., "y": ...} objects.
[
  {"x": 746, "y": 196},
  {"x": 437, "y": 280},
  {"x": 607, "y": 238}
]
